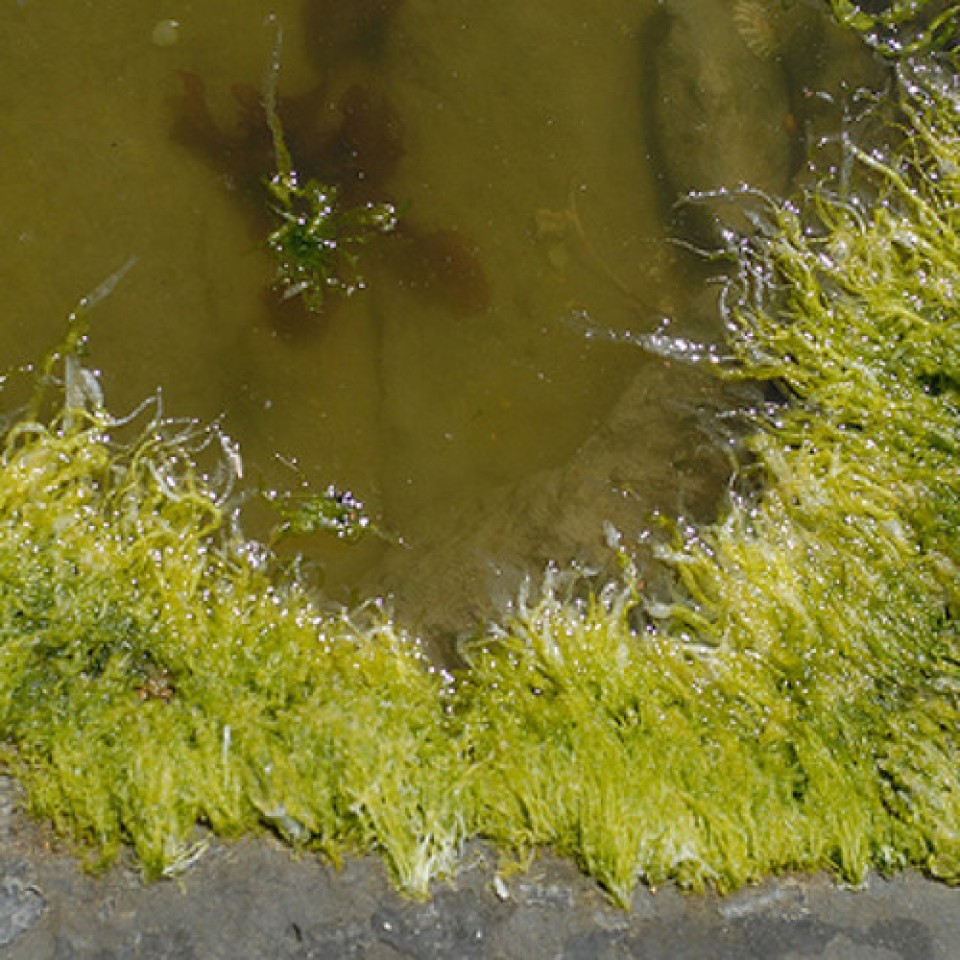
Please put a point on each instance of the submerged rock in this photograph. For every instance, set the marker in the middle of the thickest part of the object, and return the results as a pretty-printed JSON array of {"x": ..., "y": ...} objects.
[{"x": 721, "y": 115}]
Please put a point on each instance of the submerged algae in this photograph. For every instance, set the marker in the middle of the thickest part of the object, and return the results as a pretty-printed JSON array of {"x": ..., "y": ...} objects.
[
  {"x": 317, "y": 239},
  {"x": 794, "y": 704}
]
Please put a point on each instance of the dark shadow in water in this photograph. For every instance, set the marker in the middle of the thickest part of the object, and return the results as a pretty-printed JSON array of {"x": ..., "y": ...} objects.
[{"x": 352, "y": 139}]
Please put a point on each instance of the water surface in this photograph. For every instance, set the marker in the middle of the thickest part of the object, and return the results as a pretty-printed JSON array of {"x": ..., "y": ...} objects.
[{"x": 475, "y": 421}]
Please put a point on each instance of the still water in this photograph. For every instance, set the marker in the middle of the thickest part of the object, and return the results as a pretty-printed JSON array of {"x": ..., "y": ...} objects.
[{"x": 454, "y": 395}]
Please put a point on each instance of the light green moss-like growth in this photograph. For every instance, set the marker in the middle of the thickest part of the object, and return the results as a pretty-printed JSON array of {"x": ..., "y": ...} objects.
[
  {"x": 157, "y": 674},
  {"x": 794, "y": 703}
]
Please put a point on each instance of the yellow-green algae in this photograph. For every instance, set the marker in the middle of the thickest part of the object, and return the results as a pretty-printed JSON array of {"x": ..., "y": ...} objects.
[
  {"x": 157, "y": 671},
  {"x": 794, "y": 703}
]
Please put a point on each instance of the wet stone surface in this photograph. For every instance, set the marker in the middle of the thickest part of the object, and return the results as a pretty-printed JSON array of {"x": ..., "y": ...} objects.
[
  {"x": 21, "y": 903},
  {"x": 253, "y": 899}
]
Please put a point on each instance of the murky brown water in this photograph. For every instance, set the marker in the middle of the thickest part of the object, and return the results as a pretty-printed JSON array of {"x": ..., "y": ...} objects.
[{"x": 471, "y": 418}]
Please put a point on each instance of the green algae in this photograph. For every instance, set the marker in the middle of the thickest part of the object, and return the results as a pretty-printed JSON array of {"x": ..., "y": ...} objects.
[
  {"x": 794, "y": 705},
  {"x": 794, "y": 702},
  {"x": 791, "y": 702},
  {"x": 317, "y": 240},
  {"x": 903, "y": 28},
  {"x": 157, "y": 673},
  {"x": 334, "y": 511}
]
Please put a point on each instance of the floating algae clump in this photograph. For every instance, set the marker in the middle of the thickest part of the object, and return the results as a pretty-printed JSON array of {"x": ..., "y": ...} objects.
[{"x": 793, "y": 703}]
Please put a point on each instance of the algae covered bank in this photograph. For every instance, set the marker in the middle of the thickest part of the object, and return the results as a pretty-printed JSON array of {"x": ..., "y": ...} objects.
[{"x": 775, "y": 689}]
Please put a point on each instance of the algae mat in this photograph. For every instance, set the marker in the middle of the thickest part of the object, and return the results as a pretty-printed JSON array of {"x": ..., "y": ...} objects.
[{"x": 788, "y": 700}]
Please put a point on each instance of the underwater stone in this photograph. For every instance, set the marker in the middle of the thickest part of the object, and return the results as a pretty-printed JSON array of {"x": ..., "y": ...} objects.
[{"x": 720, "y": 111}]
